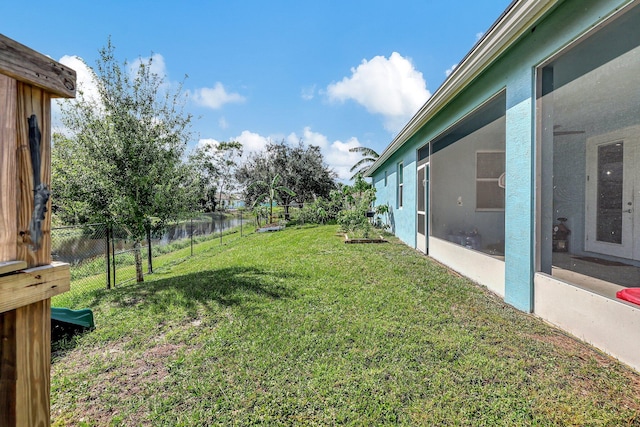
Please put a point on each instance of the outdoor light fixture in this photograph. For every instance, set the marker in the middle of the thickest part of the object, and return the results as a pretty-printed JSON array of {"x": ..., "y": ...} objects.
[{"x": 560, "y": 235}]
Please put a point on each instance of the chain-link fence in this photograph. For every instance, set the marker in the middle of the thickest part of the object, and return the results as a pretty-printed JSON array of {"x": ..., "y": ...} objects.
[
  {"x": 84, "y": 248},
  {"x": 104, "y": 257}
]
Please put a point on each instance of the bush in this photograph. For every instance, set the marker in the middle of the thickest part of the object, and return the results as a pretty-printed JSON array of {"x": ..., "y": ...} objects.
[
  {"x": 357, "y": 201},
  {"x": 320, "y": 211},
  {"x": 355, "y": 222}
]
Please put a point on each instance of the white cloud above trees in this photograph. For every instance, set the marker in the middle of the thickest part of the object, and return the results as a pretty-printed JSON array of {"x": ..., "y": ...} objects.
[
  {"x": 390, "y": 87},
  {"x": 204, "y": 142},
  {"x": 251, "y": 142},
  {"x": 158, "y": 66},
  {"x": 336, "y": 154},
  {"x": 309, "y": 137},
  {"x": 215, "y": 97}
]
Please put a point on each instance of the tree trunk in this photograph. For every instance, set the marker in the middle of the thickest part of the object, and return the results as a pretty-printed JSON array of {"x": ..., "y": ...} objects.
[
  {"x": 138, "y": 255},
  {"x": 270, "y": 211}
]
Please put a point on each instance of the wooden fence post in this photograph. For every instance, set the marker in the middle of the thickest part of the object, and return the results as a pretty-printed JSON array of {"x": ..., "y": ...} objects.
[{"x": 28, "y": 277}]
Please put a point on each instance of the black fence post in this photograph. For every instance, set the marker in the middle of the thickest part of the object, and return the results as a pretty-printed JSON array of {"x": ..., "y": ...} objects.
[
  {"x": 240, "y": 222},
  {"x": 191, "y": 236},
  {"x": 107, "y": 252},
  {"x": 149, "y": 255},
  {"x": 113, "y": 257}
]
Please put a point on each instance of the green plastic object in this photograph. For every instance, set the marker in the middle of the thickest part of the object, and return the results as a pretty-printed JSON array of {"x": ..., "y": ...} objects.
[{"x": 83, "y": 317}]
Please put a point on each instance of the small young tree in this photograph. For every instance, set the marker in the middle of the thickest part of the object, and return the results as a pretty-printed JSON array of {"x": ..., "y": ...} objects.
[
  {"x": 127, "y": 147},
  {"x": 357, "y": 201},
  {"x": 272, "y": 191}
]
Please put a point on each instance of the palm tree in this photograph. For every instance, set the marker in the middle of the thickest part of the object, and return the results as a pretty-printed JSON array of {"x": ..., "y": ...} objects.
[
  {"x": 369, "y": 156},
  {"x": 272, "y": 190}
]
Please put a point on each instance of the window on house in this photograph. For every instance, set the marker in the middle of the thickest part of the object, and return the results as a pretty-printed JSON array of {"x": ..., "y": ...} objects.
[
  {"x": 400, "y": 184},
  {"x": 490, "y": 180}
]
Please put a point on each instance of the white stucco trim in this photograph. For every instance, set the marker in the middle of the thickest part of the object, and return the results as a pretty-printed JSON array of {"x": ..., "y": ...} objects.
[
  {"x": 519, "y": 17},
  {"x": 481, "y": 268},
  {"x": 608, "y": 324}
]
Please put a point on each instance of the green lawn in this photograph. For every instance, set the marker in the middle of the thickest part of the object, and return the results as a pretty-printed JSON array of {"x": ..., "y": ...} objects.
[{"x": 297, "y": 328}]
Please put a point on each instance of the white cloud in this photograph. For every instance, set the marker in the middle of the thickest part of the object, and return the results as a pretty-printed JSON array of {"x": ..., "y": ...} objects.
[
  {"x": 340, "y": 159},
  {"x": 86, "y": 87},
  {"x": 336, "y": 154},
  {"x": 215, "y": 97},
  {"x": 85, "y": 78},
  {"x": 308, "y": 93},
  {"x": 251, "y": 142},
  {"x": 450, "y": 70},
  {"x": 222, "y": 123},
  {"x": 157, "y": 67},
  {"x": 309, "y": 138},
  {"x": 389, "y": 87},
  {"x": 204, "y": 142}
]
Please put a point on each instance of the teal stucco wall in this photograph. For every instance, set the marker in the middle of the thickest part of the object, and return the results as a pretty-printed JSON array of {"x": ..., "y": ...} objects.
[{"x": 515, "y": 71}]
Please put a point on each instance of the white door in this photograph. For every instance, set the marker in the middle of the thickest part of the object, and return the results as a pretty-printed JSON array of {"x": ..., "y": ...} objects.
[
  {"x": 422, "y": 207},
  {"x": 613, "y": 182}
]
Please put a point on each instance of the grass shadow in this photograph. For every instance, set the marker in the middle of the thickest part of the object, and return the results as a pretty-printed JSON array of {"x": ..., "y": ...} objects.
[
  {"x": 226, "y": 286},
  {"x": 64, "y": 338}
]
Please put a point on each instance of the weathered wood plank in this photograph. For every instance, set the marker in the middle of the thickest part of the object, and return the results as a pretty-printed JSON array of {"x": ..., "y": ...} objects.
[
  {"x": 33, "y": 364},
  {"x": 8, "y": 369},
  {"x": 27, "y": 65},
  {"x": 8, "y": 183},
  {"x": 11, "y": 266},
  {"x": 34, "y": 284},
  {"x": 32, "y": 100}
]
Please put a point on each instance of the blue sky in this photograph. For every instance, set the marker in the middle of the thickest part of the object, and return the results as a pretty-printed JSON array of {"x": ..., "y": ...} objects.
[{"x": 333, "y": 73}]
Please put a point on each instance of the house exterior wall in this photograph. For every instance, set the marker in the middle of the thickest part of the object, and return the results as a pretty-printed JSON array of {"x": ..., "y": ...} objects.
[
  {"x": 403, "y": 222},
  {"x": 566, "y": 23},
  {"x": 525, "y": 226},
  {"x": 515, "y": 71}
]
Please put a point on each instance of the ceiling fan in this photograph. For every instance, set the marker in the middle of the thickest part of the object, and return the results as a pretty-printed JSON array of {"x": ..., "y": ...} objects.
[{"x": 565, "y": 132}]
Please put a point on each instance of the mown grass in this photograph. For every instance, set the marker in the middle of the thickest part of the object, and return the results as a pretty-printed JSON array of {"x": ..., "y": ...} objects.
[
  {"x": 297, "y": 328},
  {"x": 90, "y": 276}
]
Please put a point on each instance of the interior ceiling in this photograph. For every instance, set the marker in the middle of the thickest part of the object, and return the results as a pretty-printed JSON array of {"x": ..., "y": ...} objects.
[
  {"x": 601, "y": 100},
  {"x": 597, "y": 83}
]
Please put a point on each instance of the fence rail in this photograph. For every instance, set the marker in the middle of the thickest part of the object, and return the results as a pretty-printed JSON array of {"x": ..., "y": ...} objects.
[{"x": 104, "y": 257}]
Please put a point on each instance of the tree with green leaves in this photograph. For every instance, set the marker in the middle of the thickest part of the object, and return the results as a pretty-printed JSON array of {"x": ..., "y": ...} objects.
[
  {"x": 369, "y": 156},
  {"x": 301, "y": 168},
  {"x": 270, "y": 191},
  {"x": 215, "y": 166},
  {"x": 120, "y": 158},
  {"x": 357, "y": 202}
]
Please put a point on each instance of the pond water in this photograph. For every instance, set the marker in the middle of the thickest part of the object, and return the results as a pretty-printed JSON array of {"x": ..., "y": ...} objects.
[{"x": 72, "y": 246}]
